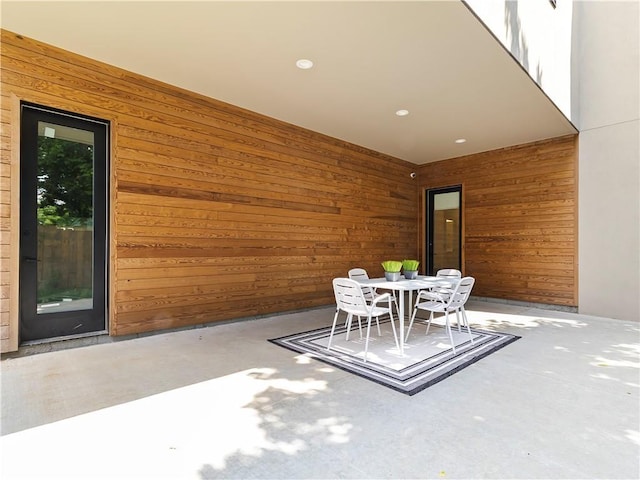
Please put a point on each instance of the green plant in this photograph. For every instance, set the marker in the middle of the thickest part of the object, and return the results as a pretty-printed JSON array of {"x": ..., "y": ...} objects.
[
  {"x": 392, "y": 266},
  {"x": 410, "y": 265},
  {"x": 57, "y": 295}
]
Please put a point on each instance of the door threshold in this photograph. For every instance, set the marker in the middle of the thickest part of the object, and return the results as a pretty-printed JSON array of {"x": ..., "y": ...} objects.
[
  {"x": 63, "y": 338},
  {"x": 54, "y": 344}
]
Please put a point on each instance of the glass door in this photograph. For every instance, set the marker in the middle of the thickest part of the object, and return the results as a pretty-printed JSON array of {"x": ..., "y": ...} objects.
[
  {"x": 444, "y": 229},
  {"x": 63, "y": 224}
]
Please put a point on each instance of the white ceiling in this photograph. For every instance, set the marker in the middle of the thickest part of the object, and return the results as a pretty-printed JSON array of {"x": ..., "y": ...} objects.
[{"x": 433, "y": 58}]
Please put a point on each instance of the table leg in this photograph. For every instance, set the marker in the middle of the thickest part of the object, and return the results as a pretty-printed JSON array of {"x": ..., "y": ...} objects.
[
  {"x": 401, "y": 320},
  {"x": 410, "y": 302}
]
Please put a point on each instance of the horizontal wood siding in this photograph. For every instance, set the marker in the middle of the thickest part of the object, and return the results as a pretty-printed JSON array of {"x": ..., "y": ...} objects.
[
  {"x": 7, "y": 277},
  {"x": 217, "y": 212},
  {"x": 520, "y": 219}
]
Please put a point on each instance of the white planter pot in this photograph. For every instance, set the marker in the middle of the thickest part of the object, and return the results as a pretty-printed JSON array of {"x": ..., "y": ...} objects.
[
  {"x": 392, "y": 276},
  {"x": 410, "y": 274}
]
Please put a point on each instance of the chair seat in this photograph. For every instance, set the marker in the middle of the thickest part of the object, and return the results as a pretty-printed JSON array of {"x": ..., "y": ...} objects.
[
  {"x": 432, "y": 305},
  {"x": 374, "y": 311}
]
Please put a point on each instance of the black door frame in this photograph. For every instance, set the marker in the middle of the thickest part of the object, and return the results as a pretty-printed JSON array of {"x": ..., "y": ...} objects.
[
  {"x": 429, "y": 224},
  {"x": 34, "y": 326}
]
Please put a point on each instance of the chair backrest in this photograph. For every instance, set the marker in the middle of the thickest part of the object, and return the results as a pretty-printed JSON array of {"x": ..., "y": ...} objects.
[
  {"x": 349, "y": 296},
  {"x": 358, "y": 274},
  {"x": 449, "y": 272},
  {"x": 461, "y": 293},
  {"x": 361, "y": 274}
]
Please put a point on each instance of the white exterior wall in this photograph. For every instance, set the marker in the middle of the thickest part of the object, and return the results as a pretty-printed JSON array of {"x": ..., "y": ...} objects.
[
  {"x": 539, "y": 37},
  {"x": 608, "y": 91},
  {"x": 585, "y": 56}
]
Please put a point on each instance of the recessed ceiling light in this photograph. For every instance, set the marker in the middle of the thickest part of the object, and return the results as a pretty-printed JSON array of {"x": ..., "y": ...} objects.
[
  {"x": 402, "y": 113},
  {"x": 304, "y": 64},
  {"x": 461, "y": 140}
]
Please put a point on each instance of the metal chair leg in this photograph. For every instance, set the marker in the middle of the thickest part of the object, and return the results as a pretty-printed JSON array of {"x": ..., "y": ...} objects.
[
  {"x": 446, "y": 313},
  {"x": 333, "y": 328}
]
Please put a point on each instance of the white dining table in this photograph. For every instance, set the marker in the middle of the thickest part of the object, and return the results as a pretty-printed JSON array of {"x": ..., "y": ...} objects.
[{"x": 403, "y": 285}]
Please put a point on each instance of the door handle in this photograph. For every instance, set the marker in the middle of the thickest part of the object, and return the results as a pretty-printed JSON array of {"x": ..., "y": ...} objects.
[{"x": 30, "y": 259}]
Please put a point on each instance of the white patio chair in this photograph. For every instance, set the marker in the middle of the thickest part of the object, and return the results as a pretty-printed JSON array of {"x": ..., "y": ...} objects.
[
  {"x": 448, "y": 273},
  {"x": 369, "y": 292},
  {"x": 351, "y": 300},
  {"x": 434, "y": 302}
]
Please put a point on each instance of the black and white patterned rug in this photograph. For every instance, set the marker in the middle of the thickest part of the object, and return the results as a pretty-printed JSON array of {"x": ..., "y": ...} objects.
[{"x": 427, "y": 360}]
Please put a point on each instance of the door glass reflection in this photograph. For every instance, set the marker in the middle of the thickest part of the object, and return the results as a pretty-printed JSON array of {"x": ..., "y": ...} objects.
[
  {"x": 65, "y": 218},
  {"x": 446, "y": 228}
]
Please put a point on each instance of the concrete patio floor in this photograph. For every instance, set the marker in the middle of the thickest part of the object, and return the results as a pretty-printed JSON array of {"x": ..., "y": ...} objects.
[{"x": 222, "y": 402}]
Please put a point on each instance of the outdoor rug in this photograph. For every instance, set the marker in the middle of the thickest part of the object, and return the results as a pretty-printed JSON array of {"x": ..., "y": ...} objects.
[{"x": 428, "y": 359}]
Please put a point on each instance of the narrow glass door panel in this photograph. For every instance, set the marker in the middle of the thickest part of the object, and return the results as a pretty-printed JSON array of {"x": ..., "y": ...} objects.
[
  {"x": 443, "y": 229},
  {"x": 63, "y": 223},
  {"x": 65, "y": 218}
]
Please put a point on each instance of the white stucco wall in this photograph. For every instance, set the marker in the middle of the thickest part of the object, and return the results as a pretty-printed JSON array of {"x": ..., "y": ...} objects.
[
  {"x": 585, "y": 56},
  {"x": 609, "y": 216},
  {"x": 607, "y": 86},
  {"x": 539, "y": 37}
]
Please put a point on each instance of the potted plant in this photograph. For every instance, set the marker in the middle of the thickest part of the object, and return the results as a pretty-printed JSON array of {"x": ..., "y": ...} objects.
[
  {"x": 392, "y": 270},
  {"x": 410, "y": 268}
]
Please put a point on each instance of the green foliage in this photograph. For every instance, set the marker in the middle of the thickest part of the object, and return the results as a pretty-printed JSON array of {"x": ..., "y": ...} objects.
[
  {"x": 410, "y": 265},
  {"x": 56, "y": 295},
  {"x": 65, "y": 182},
  {"x": 48, "y": 215},
  {"x": 392, "y": 266}
]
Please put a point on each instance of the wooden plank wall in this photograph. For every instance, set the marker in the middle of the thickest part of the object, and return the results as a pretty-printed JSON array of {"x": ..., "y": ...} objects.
[
  {"x": 216, "y": 212},
  {"x": 520, "y": 219},
  {"x": 6, "y": 275}
]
